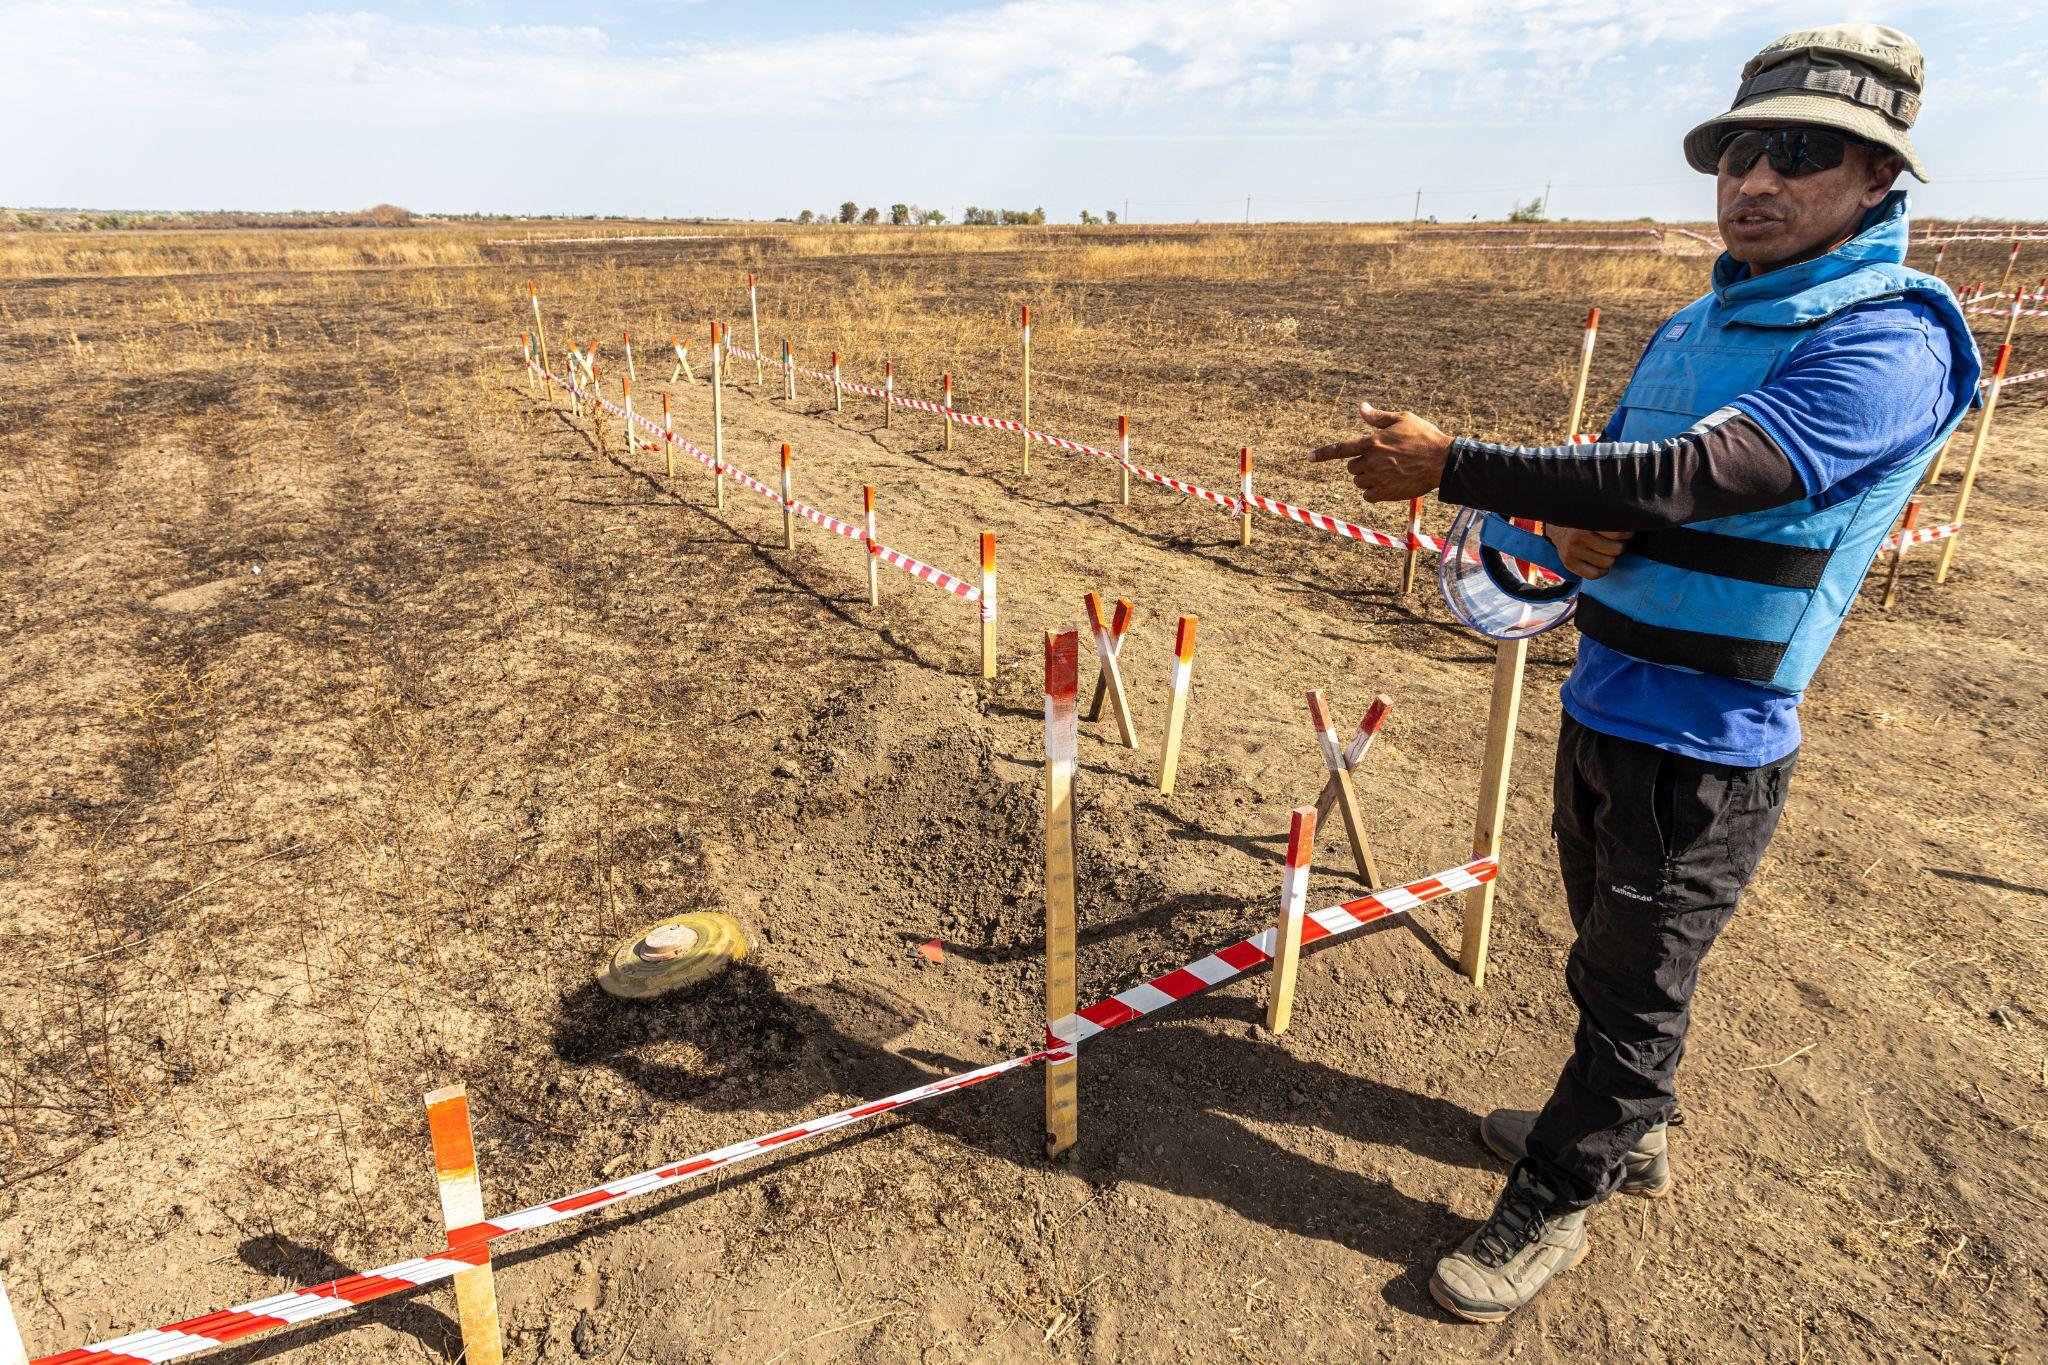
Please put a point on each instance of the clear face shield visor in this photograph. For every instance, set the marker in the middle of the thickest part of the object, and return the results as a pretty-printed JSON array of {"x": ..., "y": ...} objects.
[{"x": 1503, "y": 581}]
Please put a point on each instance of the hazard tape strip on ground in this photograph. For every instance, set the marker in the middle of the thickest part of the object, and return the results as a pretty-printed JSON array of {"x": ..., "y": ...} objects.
[
  {"x": 470, "y": 1246},
  {"x": 2006, "y": 312},
  {"x": 910, "y": 564},
  {"x": 1919, "y": 535},
  {"x": 1321, "y": 521}
]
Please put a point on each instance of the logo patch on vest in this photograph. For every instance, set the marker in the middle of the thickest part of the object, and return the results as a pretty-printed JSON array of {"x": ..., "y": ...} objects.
[{"x": 1675, "y": 330}]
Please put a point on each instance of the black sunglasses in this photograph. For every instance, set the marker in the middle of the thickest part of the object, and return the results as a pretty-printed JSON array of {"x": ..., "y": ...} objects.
[{"x": 1794, "y": 152}]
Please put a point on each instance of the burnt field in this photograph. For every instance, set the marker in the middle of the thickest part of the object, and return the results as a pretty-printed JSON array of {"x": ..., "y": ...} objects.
[{"x": 358, "y": 700}]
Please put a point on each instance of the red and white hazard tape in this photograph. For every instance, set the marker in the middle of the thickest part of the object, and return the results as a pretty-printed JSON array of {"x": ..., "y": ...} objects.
[
  {"x": 1321, "y": 521},
  {"x": 470, "y": 1246},
  {"x": 1919, "y": 535},
  {"x": 911, "y": 565},
  {"x": 1242, "y": 956}
]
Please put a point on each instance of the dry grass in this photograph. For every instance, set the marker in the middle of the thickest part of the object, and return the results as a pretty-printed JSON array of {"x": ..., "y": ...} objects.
[{"x": 30, "y": 255}]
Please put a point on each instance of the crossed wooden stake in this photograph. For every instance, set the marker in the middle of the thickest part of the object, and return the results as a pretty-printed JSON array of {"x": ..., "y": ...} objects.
[{"x": 1342, "y": 761}]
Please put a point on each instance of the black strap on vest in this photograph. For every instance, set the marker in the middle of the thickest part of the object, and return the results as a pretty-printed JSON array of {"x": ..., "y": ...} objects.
[
  {"x": 1728, "y": 656},
  {"x": 1751, "y": 561},
  {"x": 1900, "y": 106}
]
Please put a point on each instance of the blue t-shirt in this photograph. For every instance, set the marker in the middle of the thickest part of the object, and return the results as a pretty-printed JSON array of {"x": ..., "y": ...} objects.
[{"x": 1864, "y": 394}]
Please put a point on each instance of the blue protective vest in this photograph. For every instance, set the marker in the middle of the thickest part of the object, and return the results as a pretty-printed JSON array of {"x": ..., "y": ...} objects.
[{"x": 1760, "y": 595}]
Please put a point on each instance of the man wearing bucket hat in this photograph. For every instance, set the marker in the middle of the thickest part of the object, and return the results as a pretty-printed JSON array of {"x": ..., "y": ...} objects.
[{"x": 1768, "y": 439}]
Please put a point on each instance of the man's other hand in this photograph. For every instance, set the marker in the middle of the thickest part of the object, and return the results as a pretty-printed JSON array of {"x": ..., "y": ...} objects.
[
  {"x": 1402, "y": 457},
  {"x": 1589, "y": 554}
]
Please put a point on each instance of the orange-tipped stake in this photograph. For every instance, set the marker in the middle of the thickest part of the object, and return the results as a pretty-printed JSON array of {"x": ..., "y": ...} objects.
[
  {"x": 462, "y": 1206},
  {"x": 1062, "y": 756},
  {"x": 1244, "y": 496},
  {"x": 1301, "y": 840},
  {"x": 1414, "y": 546},
  {"x": 668, "y": 442},
  {"x": 718, "y": 412},
  {"x": 838, "y": 392},
  {"x": 888, "y": 389},
  {"x": 682, "y": 369},
  {"x": 1026, "y": 419},
  {"x": 788, "y": 504},
  {"x": 1119, "y": 622},
  {"x": 1177, "y": 708},
  {"x": 526, "y": 352},
  {"x": 1891, "y": 581},
  {"x": 631, "y": 373},
  {"x": 1105, "y": 655},
  {"x": 754, "y": 308},
  {"x": 1354, "y": 752},
  {"x": 867, "y": 498},
  {"x": 1585, "y": 372},
  {"x": 788, "y": 371},
  {"x": 1340, "y": 778},
  {"x": 1977, "y": 442},
  {"x": 626, "y": 392},
  {"x": 945, "y": 422},
  {"x": 988, "y": 604},
  {"x": 1123, "y": 460}
]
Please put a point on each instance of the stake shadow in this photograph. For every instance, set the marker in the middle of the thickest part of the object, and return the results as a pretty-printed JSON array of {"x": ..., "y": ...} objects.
[{"x": 1995, "y": 883}]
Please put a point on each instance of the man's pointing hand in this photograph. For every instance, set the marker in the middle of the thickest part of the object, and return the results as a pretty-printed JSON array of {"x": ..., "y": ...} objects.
[{"x": 1402, "y": 457}]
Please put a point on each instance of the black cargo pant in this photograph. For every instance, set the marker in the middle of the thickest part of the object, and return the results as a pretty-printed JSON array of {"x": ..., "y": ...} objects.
[{"x": 1655, "y": 849}]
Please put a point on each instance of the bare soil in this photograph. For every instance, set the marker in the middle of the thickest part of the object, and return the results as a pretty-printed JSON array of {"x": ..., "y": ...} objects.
[{"x": 357, "y": 701}]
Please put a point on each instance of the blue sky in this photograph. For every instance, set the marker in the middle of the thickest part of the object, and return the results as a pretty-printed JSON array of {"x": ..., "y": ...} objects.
[{"x": 1315, "y": 109}]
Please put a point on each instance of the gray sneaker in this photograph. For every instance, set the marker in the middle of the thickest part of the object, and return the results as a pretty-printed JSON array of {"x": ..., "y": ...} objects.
[
  {"x": 1645, "y": 1167},
  {"x": 1511, "y": 1255}
]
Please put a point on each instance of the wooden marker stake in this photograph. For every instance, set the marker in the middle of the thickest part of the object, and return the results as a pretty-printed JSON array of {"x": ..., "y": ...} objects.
[
  {"x": 888, "y": 390},
  {"x": 946, "y": 423},
  {"x": 1105, "y": 654},
  {"x": 1585, "y": 372},
  {"x": 1026, "y": 419},
  {"x": 988, "y": 604},
  {"x": 462, "y": 1206},
  {"x": 788, "y": 509},
  {"x": 626, "y": 391},
  {"x": 1062, "y": 756},
  {"x": 668, "y": 446},
  {"x": 1939, "y": 252},
  {"x": 838, "y": 393},
  {"x": 2011, "y": 260},
  {"x": 682, "y": 368},
  {"x": 1354, "y": 753},
  {"x": 718, "y": 412},
  {"x": 631, "y": 373},
  {"x": 754, "y": 308},
  {"x": 1244, "y": 493},
  {"x": 1347, "y": 796},
  {"x": 1499, "y": 754},
  {"x": 1301, "y": 840},
  {"x": 1891, "y": 580},
  {"x": 526, "y": 349},
  {"x": 540, "y": 327},
  {"x": 1123, "y": 452},
  {"x": 1414, "y": 546},
  {"x": 867, "y": 497},
  {"x": 1977, "y": 442},
  {"x": 788, "y": 371},
  {"x": 1177, "y": 709},
  {"x": 1119, "y": 622},
  {"x": 2012, "y": 317}
]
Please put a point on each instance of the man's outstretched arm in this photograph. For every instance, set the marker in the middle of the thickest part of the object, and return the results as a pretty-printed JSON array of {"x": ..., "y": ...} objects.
[{"x": 1724, "y": 464}]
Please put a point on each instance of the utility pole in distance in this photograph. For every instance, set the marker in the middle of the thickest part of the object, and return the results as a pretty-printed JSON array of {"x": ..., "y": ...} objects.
[
  {"x": 1546, "y": 199},
  {"x": 1247, "y": 210},
  {"x": 1418, "y": 206}
]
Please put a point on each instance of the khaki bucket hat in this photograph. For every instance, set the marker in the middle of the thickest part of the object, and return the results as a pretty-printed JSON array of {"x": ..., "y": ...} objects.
[{"x": 1862, "y": 79}]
